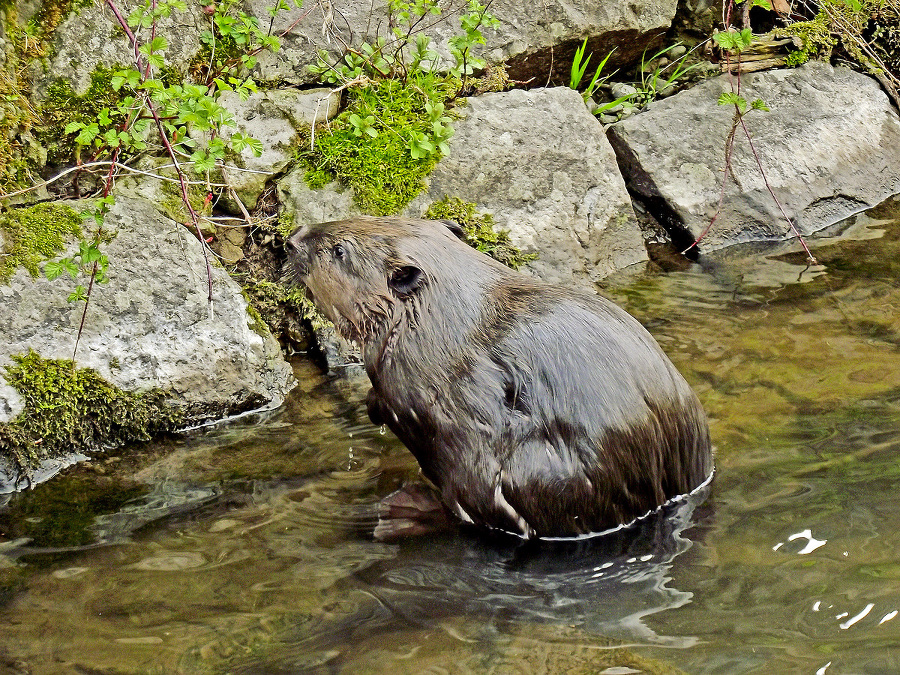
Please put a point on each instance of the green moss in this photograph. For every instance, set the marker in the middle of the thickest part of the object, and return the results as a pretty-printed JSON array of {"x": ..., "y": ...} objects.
[
  {"x": 258, "y": 325},
  {"x": 173, "y": 202},
  {"x": 479, "y": 231},
  {"x": 281, "y": 307},
  {"x": 35, "y": 234},
  {"x": 69, "y": 409},
  {"x": 285, "y": 225},
  {"x": 62, "y": 106},
  {"x": 816, "y": 38},
  {"x": 871, "y": 30},
  {"x": 380, "y": 170}
]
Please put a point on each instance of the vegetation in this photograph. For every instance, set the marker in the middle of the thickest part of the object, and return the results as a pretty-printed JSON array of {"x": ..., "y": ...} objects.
[
  {"x": 397, "y": 122},
  {"x": 479, "y": 231},
  {"x": 385, "y": 142},
  {"x": 35, "y": 234},
  {"x": 865, "y": 31},
  {"x": 70, "y": 409}
]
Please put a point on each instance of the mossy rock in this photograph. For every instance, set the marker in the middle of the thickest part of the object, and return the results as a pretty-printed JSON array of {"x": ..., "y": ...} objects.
[
  {"x": 479, "y": 231},
  {"x": 68, "y": 409},
  {"x": 379, "y": 168},
  {"x": 34, "y": 234}
]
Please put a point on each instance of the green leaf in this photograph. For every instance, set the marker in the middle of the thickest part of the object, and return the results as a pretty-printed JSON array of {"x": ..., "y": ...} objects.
[
  {"x": 52, "y": 270},
  {"x": 88, "y": 134},
  {"x": 72, "y": 127},
  {"x": 70, "y": 267},
  {"x": 730, "y": 98},
  {"x": 80, "y": 293},
  {"x": 759, "y": 104}
]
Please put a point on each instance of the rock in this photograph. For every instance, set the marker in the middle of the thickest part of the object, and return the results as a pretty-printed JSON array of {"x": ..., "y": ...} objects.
[
  {"x": 304, "y": 205},
  {"x": 620, "y": 89},
  {"x": 828, "y": 147},
  {"x": 540, "y": 163},
  {"x": 91, "y": 37},
  {"x": 532, "y": 40},
  {"x": 273, "y": 117},
  {"x": 150, "y": 326}
]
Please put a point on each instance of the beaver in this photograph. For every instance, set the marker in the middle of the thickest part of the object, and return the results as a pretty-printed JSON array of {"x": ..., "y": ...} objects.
[{"x": 535, "y": 409}]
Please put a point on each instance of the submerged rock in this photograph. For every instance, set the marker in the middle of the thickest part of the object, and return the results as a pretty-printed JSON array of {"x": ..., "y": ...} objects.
[{"x": 829, "y": 148}]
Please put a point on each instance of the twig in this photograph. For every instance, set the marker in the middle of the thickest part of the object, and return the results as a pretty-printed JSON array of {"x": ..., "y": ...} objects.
[{"x": 172, "y": 154}]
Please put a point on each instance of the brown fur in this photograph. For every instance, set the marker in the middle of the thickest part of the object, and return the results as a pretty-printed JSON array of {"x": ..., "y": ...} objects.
[{"x": 533, "y": 408}]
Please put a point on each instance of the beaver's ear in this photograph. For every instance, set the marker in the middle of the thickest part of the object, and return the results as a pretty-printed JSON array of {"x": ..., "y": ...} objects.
[
  {"x": 405, "y": 280},
  {"x": 454, "y": 227}
]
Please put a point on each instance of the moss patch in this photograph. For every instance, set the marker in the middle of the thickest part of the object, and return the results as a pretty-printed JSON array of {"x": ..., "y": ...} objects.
[
  {"x": 871, "y": 30},
  {"x": 35, "y": 234},
  {"x": 63, "y": 106},
  {"x": 69, "y": 409},
  {"x": 479, "y": 231},
  {"x": 283, "y": 309},
  {"x": 379, "y": 169}
]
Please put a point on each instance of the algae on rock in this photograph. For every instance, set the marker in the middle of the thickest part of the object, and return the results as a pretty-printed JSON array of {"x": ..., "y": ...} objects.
[
  {"x": 33, "y": 234},
  {"x": 70, "y": 409}
]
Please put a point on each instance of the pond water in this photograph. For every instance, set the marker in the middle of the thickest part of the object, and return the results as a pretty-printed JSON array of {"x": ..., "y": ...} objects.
[{"x": 247, "y": 548}]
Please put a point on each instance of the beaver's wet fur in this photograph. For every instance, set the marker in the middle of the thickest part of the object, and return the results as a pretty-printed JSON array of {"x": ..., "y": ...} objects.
[{"x": 533, "y": 408}]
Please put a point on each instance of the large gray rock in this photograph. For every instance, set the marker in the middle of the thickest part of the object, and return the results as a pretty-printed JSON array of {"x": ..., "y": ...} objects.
[
  {"x": 830, "y": 147},
  {"x": 91, "y": 37},
  {"x": 540, "y": 163},
  {"x": 533, "y": 39},
  {"x": 151, "y": 325}
]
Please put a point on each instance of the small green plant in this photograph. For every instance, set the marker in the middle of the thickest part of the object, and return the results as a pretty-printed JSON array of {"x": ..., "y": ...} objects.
[
  {"x": 385, "y": 142},
  {"x": 733, "y": 41},
  {"x": 415, "y": 121},
  {"x": 479, "y": 232},
  {"x": 579, "y": 67},
  {"x": 866, "y": 32},
  {"x": 661, "y": 78},
  {"x": 187, "y": 117}
]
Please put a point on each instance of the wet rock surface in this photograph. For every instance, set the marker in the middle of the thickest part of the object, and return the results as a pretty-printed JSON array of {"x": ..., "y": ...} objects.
[
  {"x": 828, "y": 145},
  {"x": 540, "y": 163}
]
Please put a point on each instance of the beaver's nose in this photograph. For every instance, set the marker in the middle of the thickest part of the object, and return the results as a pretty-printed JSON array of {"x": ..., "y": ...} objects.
[{"x": 298, "y": 252}]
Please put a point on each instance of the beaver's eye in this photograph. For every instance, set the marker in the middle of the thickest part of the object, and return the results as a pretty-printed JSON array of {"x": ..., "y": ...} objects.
[{"x": 339, "y": 252}]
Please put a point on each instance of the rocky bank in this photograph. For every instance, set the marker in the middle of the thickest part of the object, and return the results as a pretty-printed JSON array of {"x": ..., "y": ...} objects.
[{"x": 529, "y": 154}]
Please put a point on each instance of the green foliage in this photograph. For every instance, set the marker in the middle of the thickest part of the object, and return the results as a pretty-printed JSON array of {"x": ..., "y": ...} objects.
[
  {"x": 867, "y": 32},
  {"x": 733, "y": 40},
  {"x": 579, "y": 67},
  {"x": 739, "y": 102},
  {"x": 231, "y": 45},
  {"x": 278, "y": 307},
  {"x": 399, "y": 56},
  {"x": 69, "y": 410},
  {"x": 471, "y": 22},
  {"x": 479, "y": 231},
  {"x": 660, "y": 78},
  {"x": 66, "y": 114},
  {"x": 395, "y": 127},
  {"x": 386, "y": 141},
  {"x": 35, "y": 234}
]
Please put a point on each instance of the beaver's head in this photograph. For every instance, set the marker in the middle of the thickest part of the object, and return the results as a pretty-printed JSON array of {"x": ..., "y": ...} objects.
[{"x": 360, "y": 272}]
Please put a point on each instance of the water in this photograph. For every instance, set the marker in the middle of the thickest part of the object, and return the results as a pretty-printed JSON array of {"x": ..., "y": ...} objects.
[{"x": 246, "y": 548}]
